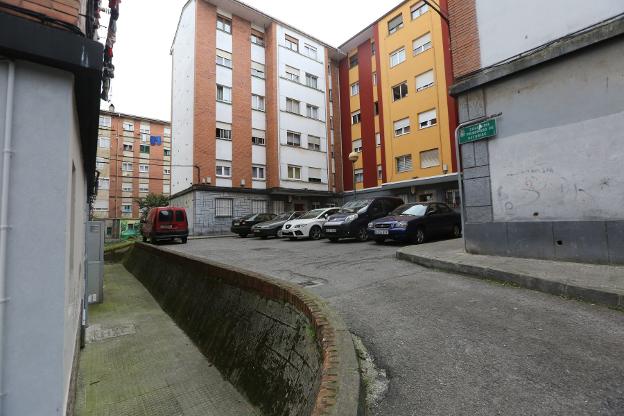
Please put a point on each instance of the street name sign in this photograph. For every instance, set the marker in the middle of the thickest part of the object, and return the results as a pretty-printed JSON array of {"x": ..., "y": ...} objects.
[{"x": 477, "y": 131}]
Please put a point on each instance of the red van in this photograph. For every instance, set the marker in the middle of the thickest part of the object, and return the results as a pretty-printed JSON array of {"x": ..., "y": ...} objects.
[{"x": 165, "y": 223}]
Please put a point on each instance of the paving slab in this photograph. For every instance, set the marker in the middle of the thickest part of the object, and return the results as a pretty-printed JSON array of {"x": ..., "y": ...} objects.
[
  {"x": 590, "y": 282},
  {"x": 138, "y": 362}
]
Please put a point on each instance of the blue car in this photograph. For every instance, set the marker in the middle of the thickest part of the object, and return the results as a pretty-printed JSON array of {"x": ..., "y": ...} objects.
[{"x": 416, "y": 223}]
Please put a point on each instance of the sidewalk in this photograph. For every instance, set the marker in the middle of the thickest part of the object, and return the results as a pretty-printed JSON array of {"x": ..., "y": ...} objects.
[
  {"x": 138, "y": 362},
  {"x": 588, "y": 282}
]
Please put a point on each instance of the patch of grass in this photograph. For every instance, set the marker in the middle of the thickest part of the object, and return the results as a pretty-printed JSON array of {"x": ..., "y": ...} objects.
[{"x": 117, "y": 246}]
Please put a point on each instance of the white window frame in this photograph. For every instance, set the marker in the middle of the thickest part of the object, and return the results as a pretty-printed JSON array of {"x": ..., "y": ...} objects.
[
  {"x": 144, "y": 188},
  {"x": 403, "y": 163},
  {"x": 257, "y": 102},
  {"x": 103, "y": 183},
  {"x": 358, "y": 175},
  {"x": 143, "y": 168},
  {"x": 314, "y": 142},
  {"x": 419, "y": 9},
  {"x": 293, "y": 106},
  {"x": 291, "y": 42},
  {"x": 356, "y": 117},
  {"x": 128, "y": 126},
  {"x": 377, "y": 139},
  {"x": 125, "y": 209},
  {"x": 105, "y": 121},
  {"x": 425, "y": 158},
  {"x": 226, "y": 94},
  {"x": 223, "y": 169},
  {"x": 312, "y": 81},
  {"x": 145, "y": 128},
  {"x": 421, "y": 44},
  {"x": 126, "y": 186},
  {"x": 167, "y": 132},
  {"x": 126, "y": 167},
  {"x": 357, "y": 146},
  {"x": 425, "y": 120},
  {"x": 257, "y": 70},
  {"x": 355, "y": 88},
  {"x": 293, "y": 138},
  {"x": 258, "y": 137},
  {"x": 400, "y": 90},
  {"x": 100, "y": 162},
  {"x": 396, "y": 28},
  {"x": 224, "y": 24},
  {"x": 292, "y": 73},
  {"x": 166, "y": 171},
  {"x": 257, "y": 39},
  {"x": 104, "y": 142},
  {"x": 294, "y": 172},
  {"x": 397, "y": 57},
  {"x": 429, "y": 80},
  {"x": 379, "y": 172},
  {"x": 310, "y": 51},
  {"x": 315, "y": 175},
  {"x": 223, "y": 59},
  {"x": 223, "y": 131},
  {"x": 312, "y": 111},
  {"x": 127, "y": 147},
  {"x": 258, "y": 172},
  {"x": 166, "y": 151},
  {"x": 401, "y": 127}
]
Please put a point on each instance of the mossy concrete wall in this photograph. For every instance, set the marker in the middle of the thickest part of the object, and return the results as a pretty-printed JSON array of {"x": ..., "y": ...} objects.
[{"x": 277, "y": 344}]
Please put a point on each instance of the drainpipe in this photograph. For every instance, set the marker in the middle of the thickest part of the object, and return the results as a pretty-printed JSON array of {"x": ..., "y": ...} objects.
[{"x": 4, "y": 206}]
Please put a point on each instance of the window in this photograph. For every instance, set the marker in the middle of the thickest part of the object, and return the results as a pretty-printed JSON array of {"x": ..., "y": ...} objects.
[
  {"x": 145, "y": 128},
  {"x": 166, "y": 171},
  {"x": 167, "y": 191},
  {"x": 310, "y": 51},
  {"x": 145, "y": 137},
  {"x": 359, "y": 175},
  {"x": 258, "y": 172},
  {"x": 126, "y": 208},
  {"x": 224, "y": 24},
  {"x": 101, "y": 205},
  {"x": 144, "y": 149},
  {"x": 292, "y": 43},
  {"x": 292, "y": 106},
  {"x": 397, "y": 57},
  {"x": 105, "y": 121},
  {"x": 128, "y": 126},
  {"x": 378, "y": 139},
  {"x": 257, "y": 102},
  {"x": 259, "y": 206},
  {"x": 224, "y": 169},
  {"x": 224, "y": 94},
  {"x": 399, "y": 91},
  {"x": 314, "y": 175},
  {"x": 355, "y": 88},
  {"x": 293, "y": 139},
  {"x": 224, "y": 131},
  {"x": 257, "y": 38},
  {"x": 376, "y": 107},
  {"x": 395, "y": 24},
  {"x": 167, "y": 132},
  {"x": 422, "y": 44},
  {"x": 427, "y": 119},
  {"x": 100, "y": 163},
  {"x": 126, "y": 166},
  {"x": 104, "y": 183},
  {"x": 353, "y": 61},
  {"x": 166, "y": 152},
  {"x": 127, "y": 147},
  {"x": 224, "y": 207},
  {"x": 294, "y": 172},
  {"x": 143, "y": 168},
  {"x": 312, "y": 111},
  {"x": 429, "y": 158},
  {"x": 404, "y": 163},
  {"x": 402, "y": 126},
  {"x": 257, "y": 137},
  {"x": 257, "y": 70},
  {"x": 144, "y": 187},
  {"x": 374, "y": 78},
  {"x": 357, "y": 145},
  {"x": 379, "y": 172},
  {"x": 278, "y": 207},
  {"x": 292, "y": 73},
  {"x": 419, "y": 9},
  {"x": 314, "y": 142},
  {"x": 356, "y": 117},
  {"x": 373, "y": 48},
  {"x": 224, "y": 58},
  {"x": 424, "y": 80},
  {"x": 104, "y": 142},
  {"x": 312, "y": 81}
]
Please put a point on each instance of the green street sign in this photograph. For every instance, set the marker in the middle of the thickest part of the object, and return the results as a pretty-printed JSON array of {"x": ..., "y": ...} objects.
[{"x": 478, "y": 131}]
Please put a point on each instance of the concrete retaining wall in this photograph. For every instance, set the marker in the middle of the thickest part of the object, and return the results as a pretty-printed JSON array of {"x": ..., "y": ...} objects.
[{"x": 277, "y": 344}]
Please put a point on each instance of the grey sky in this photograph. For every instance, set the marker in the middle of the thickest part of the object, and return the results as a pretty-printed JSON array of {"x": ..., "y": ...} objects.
[{"x": 145, "y": 31}]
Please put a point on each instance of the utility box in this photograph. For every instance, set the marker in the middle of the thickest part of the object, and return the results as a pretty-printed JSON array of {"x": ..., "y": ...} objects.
[{"x": 96, "y": 231}]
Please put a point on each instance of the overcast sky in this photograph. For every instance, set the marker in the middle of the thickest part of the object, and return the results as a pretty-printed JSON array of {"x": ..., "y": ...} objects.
[{"x": 145, "y": 31}]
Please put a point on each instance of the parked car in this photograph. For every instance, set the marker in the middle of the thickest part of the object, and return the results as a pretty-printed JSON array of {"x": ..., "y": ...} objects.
[
  {"x": 309, "y": 225},
  {"x": 354, "y": 216},
  {"x": 242, "y": 226},
  {"x": 273, "y": 228},
  {"x": 416, "y": 223},
  {"x": 165, "y": 223}
]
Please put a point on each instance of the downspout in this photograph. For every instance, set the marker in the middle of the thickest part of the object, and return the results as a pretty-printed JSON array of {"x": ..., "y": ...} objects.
[{"x": 4, "y": 206}]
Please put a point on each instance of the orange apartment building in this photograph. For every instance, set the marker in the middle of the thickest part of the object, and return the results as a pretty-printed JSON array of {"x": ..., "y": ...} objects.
[
  {"x": 396, "y": 113},
  {"x": 133, "y": 160}
]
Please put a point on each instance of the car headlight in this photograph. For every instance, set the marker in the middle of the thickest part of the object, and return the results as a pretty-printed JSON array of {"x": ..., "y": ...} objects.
[
  {"x": 400, "y": 224},
  {"x": 370, "y": 225},
  {"x": 351, "y": 217}
]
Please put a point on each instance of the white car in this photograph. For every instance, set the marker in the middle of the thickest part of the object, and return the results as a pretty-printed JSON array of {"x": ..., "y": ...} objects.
[{"x": 309, "y": 225}]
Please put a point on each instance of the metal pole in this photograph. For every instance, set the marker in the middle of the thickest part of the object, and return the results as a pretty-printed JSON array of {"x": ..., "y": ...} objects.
[
  {"x": 354, "y": 186},
  {"x": 460, "y": 175}
]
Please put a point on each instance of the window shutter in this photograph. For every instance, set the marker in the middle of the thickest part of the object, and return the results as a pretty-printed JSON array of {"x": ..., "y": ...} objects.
[
  {"x": 426, "y": 116},
  {"x": 401, "y": 124},
  {"x": 429, "y": 158},
  {"x": 424, "y": 80}
]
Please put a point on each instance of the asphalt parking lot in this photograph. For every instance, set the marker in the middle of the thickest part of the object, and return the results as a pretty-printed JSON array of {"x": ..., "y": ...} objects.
[{"x": 451, "y": 345}]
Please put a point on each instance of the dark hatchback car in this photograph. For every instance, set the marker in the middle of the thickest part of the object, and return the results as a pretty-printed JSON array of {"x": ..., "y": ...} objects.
[
  {"x": 274, "y": 227},
  {"x": 354, "y": 216},
  {"x": 242, "y": 226},
  {"x": 416, "y": 223}
]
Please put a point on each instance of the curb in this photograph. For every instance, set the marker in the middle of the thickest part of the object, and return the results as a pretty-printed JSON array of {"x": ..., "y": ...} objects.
[
  {"x": 206, "y": 237},
  {"x": 523, "y": 280}
]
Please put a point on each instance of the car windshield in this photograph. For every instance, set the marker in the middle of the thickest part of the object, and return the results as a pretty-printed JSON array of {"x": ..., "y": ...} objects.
[
  {"x": 354, "y": 206},
  {"x": 282, "y": 217},
  {"x": 417, "y": 210},
  {"x": 250, "y": 217},
  {"x": 311, "y": 214}
]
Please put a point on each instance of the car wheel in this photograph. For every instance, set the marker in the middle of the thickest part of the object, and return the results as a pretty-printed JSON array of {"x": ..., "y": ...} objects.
[
  {"x": 292, "y": 238},
  {"x": 184, "y": 239},
  {"x": 420, "y": 236},
  {"x": 333, "y": 239},
  {"x": 243, "y": 235},
  {"x": 456, "y": 231},
  {"x": 144, "y": 238},
  {"x": 362, "y": 234},
  {"x": 315, "y": 232},
  {"x": 380, "y": 240},
  {"x": 152, "y": 240}
]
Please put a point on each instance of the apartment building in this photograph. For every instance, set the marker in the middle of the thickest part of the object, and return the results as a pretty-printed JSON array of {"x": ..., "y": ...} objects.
[
  {"x": 254, "y": 116},
  {"x": 397, "y": 115},
  {"x": 549, "y": 183},
  {"x": 50, "y": 84},
  {"x": 133, "y": 160}
]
